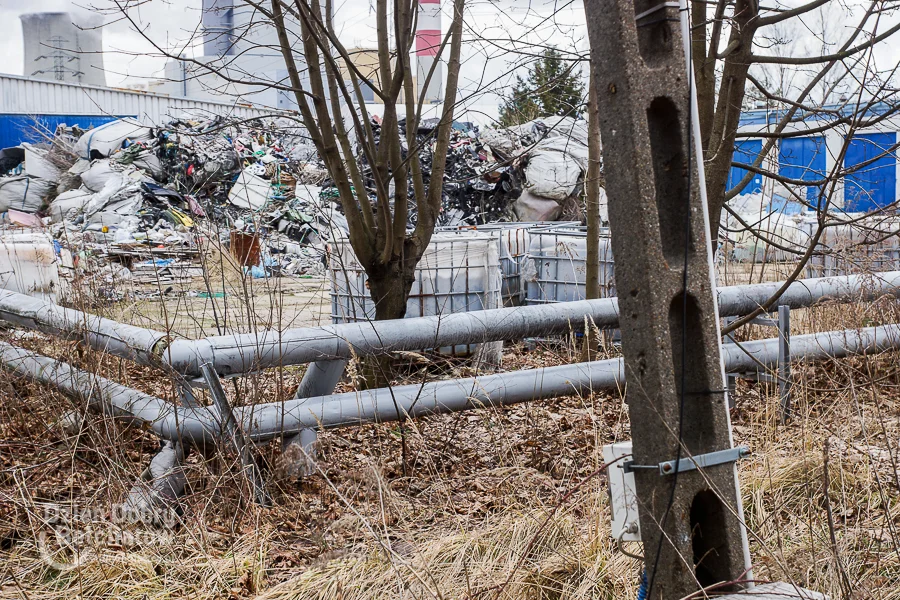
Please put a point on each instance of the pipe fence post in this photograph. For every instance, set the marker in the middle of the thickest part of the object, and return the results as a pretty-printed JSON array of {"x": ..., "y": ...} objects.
[
  {"x": 785, "y": 381},
  {"x": 231, "y": 430},
  {"x": 300, "y": 450},
  {"x": 730, "y": 378}
]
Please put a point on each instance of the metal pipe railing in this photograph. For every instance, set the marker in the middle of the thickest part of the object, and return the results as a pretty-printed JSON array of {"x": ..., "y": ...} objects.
[
  {"x": 119, "y": 339},
  {"x": 243, "y": 353},
  {"x": 195, "y": 425},
  {"x": 265, "y": 421}
]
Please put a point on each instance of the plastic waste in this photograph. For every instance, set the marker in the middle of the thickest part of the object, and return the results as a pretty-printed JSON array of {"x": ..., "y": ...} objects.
[
  {"x": 530, "y": 208},
  {"x": 68, "y": 203},
  {"x": 37, "y": 165},
  {"x": 99, "y": 173},
  {"x": 249, "y": 191},
  {"x": 24, "y": 219},
  {"x": 106, "y": 139},
  {"x": 24, "y": 193}
]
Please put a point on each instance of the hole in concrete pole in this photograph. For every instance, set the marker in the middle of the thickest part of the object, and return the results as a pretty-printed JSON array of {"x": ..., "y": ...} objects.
[
  {"x": 697, "y": 429},
  {"x": 670, "y": 174},
  {"x": 654, "y": 31},
  {"x": 708, "y": 543}
]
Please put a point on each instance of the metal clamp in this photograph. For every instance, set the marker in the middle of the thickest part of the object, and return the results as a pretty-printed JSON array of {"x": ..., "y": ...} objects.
[{"x": 689, "y": 463}]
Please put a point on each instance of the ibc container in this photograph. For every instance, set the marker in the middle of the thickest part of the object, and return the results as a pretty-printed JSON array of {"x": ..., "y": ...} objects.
[
  {"x": 28, "y": 264},
  {"x": 556, "y": 266},
  {"x": 459, "y": 272},
  {"x": 514, "y": 238}
]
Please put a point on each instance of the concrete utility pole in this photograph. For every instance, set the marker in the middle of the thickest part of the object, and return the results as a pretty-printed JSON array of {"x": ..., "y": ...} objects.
[{"x": 691, "y": 519}]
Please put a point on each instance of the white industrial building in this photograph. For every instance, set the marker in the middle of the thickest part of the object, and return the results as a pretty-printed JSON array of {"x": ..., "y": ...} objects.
[{"x": 240, "y": 43}]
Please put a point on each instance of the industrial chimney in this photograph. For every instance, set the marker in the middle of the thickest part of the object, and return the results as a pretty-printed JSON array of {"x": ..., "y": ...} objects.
[
  {"x": 428, "y": 41},
  {"x": 218, "y": 27},
  {"x": 62, "y": 47}
]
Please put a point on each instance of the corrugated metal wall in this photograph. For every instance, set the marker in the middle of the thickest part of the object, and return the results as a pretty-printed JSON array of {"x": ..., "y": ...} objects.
[{"x": 22, "y": 98}]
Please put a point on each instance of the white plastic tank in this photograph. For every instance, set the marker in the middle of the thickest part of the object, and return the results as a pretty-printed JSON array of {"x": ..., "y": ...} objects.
[
  {"x": 459, "y": 272},
  {"x": 556, "y": 266},
  {"x": 514, "y": 241},
  {"x": 28, "y": 264}
]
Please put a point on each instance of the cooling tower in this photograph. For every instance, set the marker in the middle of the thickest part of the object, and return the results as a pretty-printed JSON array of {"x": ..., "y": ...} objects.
[
  {"x": 62, "y": 47},
  {"x": 428, "y": 41}
]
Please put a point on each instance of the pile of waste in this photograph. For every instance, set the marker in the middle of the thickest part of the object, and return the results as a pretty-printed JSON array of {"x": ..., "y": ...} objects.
[
  {"x": 539, "y": 168},
  {"x": 122, "y": 194},
  {"x": 531, "y": 172},
  {"x": 124, "y": 190}
]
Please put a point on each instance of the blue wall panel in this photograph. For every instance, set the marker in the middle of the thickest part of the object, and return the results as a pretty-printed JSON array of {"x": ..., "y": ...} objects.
[
  {"x": 803, "y": 158},
  {"x": 15, "y": 129},
  {"x": 745, "y": 152},
  {"x": 875, "y": 184}
]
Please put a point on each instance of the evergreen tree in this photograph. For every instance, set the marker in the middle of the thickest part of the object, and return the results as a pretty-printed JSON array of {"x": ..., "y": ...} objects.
[
  {"x": 520, "y": 106},
  {"x": 553, "y": 88}
]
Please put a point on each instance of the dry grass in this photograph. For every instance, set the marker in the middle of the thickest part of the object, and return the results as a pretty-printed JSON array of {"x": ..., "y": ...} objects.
[{"x": 483, "y": 508}]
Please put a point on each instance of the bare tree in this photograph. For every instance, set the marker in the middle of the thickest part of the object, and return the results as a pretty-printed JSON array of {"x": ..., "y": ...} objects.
[{"x": 724, "y": 75}]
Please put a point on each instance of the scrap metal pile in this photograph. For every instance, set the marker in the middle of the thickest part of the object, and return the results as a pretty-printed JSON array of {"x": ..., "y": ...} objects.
[{"x": 531, "y": 172}]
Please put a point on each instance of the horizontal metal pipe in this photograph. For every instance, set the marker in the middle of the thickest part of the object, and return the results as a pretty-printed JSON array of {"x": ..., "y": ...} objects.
[
  {"x": 194, "y": 426},
  {"x": 747, "y": 356},
  {"x": 390, "y": 404},
  {"x": 119, "y": 339},
  {"x": 265, "y": 421},
  {"x": 242, "y": 353},
  {"x": 248, "y": 352}
]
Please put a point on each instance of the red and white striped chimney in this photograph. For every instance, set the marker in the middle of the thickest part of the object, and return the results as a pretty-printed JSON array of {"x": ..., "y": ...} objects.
[{"x": 428, "y": 41}]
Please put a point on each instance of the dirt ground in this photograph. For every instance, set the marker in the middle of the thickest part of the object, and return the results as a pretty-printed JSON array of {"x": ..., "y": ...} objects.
[{"x": 198, "y": 308}]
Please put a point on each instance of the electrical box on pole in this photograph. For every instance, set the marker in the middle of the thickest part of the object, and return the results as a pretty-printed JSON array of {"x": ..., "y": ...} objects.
[{"x": 683, "y": 459}]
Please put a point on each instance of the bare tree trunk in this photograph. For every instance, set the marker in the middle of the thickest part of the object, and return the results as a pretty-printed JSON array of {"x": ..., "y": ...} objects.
[
  {"x": 720, "y": 149},
  {"x": 389, "y": 287},
  {"x": 592, "y": 208},
  {"x": 592, "y": 199}
]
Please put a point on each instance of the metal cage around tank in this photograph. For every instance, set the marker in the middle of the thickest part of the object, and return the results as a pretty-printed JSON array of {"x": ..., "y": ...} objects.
[
  {"x": 514, "y": 240},
  {"x": 556, "y": 266},
  {"x": 459, "y": 272}
]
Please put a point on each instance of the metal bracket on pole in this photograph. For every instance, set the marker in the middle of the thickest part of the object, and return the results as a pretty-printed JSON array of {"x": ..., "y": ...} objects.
[
  {"x": 690, "y": 463},
  {"x": 711, "y": 459},
  {"x": 239, "y": 440}
]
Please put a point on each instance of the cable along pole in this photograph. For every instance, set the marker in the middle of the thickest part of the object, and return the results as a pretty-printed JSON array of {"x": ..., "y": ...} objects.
[{"x": 691, "y": 519}]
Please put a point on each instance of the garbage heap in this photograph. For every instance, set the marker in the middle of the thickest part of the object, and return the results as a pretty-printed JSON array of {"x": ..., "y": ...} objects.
[
  {"x": 124, "y": 190},
  {"x": 539, "y": 169},
  {"x": 466, "y": 196},
  {"x": 117, "y": 193},
  {"x": 531, "y": 172}
]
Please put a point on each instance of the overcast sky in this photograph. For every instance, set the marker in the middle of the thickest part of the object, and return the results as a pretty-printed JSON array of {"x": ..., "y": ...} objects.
[
  {"x": 128, "y": 58},
  {"x": 500, "y": 25}
]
